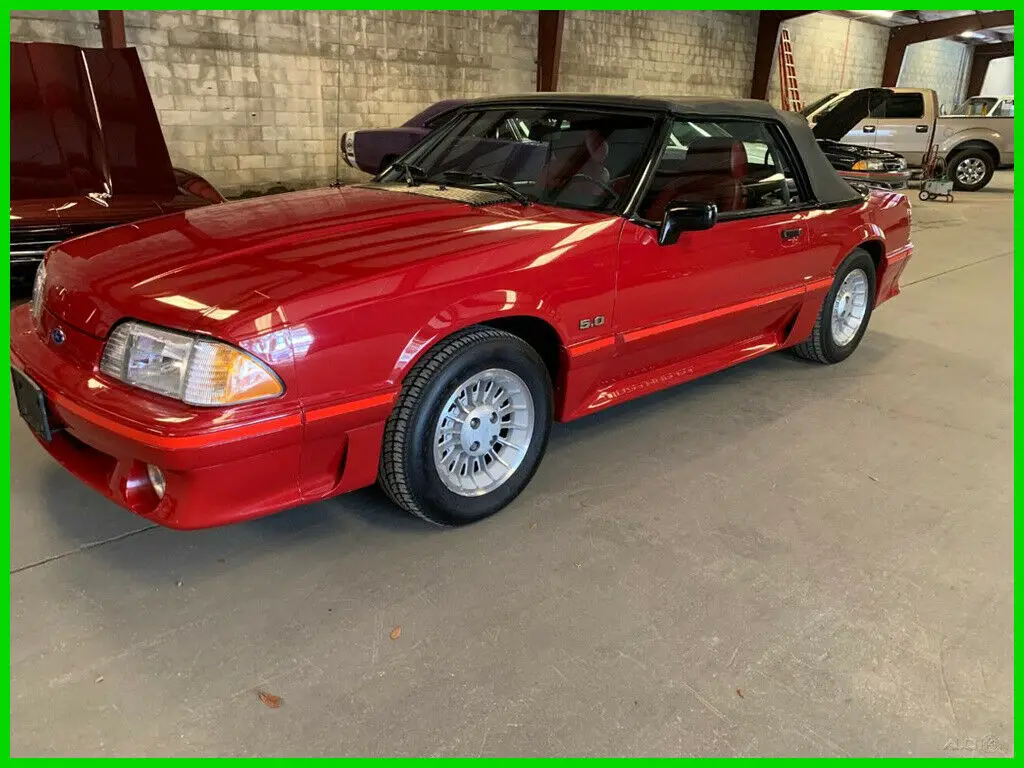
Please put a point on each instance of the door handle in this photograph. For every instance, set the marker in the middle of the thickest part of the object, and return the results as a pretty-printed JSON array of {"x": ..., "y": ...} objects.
[
  {"x": 869, "y": 129},
  {"x": 921, "y": 129},
  {"x": 791, "y": 234}
]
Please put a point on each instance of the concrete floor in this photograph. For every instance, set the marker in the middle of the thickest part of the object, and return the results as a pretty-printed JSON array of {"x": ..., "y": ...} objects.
[{"x": 782, "y": 559}]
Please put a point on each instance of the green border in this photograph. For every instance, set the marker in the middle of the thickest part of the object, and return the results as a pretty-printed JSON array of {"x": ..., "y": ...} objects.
[{"x": 1018, "y": 280}]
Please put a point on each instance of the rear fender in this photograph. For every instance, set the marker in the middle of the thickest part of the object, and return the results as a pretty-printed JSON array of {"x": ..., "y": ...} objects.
[{"x": 980, "y": 137}]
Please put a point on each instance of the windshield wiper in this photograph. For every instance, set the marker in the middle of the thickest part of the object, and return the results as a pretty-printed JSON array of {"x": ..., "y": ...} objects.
[
  {"x": 411, "y": 172},
  {"x": 503, "y": 184}
]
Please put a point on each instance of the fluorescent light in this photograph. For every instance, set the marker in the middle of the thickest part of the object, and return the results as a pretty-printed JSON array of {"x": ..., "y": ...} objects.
[
  {"x": 878, "y": 14},
  {"x": 968, "y": 35}
]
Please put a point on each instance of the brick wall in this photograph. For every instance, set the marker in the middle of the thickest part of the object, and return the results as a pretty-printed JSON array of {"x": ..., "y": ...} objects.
[
  {"x": 254, "y": 99},
  {"x": 942, "y": 65},
  {"x": 71, "y": 27},
  {"x": 658, "y": 53},
  {"x": 832, "y": 53}
]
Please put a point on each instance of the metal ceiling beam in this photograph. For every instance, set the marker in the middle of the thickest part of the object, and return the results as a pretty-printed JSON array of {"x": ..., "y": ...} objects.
[
  {"x": 112, "y": 29},
  {"x": 768, "y": 25},
  {"x": 549, "y": 48},
  {"x": 901, "y": 37}
]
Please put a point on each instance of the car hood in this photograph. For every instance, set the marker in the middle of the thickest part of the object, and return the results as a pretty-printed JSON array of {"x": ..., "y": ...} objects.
[
  {"x": 83, "y": 123},
  {"x": 229, "y": 269},
  {"x": 848, "y": 112}
]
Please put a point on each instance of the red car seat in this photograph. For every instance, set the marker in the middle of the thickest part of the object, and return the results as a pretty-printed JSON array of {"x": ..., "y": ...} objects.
[{"x": 712, "y": 172}]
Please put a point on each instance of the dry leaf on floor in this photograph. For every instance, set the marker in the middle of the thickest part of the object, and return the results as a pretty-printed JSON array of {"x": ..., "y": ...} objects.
[
  {"x": 269, "y": 699},
  {"x": 396, "y": 632},
  {"x": 739, "y": 693}
]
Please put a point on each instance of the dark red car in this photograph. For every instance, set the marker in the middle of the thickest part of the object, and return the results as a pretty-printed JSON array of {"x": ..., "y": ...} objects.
[
  {"x": 86, "y": 149},
  {"x": 425, "y": 329}
]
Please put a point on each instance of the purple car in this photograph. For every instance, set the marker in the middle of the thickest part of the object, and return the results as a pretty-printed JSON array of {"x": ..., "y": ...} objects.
[{"x": 374, "y": 149}]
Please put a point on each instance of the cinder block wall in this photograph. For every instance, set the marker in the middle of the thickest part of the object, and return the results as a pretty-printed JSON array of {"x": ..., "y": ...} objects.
[
  {"x": 942, "y": 65},
  {"x": 253, "y": 99},
  {"x": 659, "y": 53},
  {"x": 831, "y": 54}
]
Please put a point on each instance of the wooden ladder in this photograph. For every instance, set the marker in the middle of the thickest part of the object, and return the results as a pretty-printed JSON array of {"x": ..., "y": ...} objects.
[{"x": 791, "y": 100}]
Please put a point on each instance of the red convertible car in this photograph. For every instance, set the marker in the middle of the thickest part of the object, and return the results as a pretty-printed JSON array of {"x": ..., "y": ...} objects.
[{"x": 424, "y": 329}]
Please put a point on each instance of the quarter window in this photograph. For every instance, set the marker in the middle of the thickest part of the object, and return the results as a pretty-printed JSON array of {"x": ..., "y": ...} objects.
[{"x": 739, "y": 165}]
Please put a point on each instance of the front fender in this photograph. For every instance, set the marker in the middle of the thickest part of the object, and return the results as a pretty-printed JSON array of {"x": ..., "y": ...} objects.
[{"x": 482, "y": 307}]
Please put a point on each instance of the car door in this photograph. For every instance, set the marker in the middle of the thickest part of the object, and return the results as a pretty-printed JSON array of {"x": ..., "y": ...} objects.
[
  {"x": 904, "y": 126},
  {"x": 736, "y": 285}
]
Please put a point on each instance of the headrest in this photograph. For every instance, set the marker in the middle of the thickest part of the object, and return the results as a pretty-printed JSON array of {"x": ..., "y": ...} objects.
[
  {"x": 717, "y": 154},
  {"x": 596, "y": 146}
]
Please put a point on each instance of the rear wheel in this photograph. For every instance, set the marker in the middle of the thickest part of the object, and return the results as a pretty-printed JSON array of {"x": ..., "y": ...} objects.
[
  {"x": 845, "y": 312},
  {"x": 469, "y": 428},
  {"x": 971, "y": 169}
]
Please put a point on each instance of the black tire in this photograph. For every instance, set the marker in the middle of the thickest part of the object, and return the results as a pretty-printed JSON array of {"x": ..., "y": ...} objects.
[
  {"x": 407, "y": 471},
  {"x": 972, "y": 153},
  {"x": 821, "y": 346}
]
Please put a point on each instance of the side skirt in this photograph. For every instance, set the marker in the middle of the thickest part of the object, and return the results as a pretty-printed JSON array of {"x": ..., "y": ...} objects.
[{"x": 663, "y": 377}]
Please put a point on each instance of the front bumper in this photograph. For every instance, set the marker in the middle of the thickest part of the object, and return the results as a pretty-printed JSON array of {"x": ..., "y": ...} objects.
[
  {"x": 889, "y": 179},
  {"x": 221, "y": 465}
]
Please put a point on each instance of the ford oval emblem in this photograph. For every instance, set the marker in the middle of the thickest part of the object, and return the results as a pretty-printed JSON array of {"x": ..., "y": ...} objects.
[{"x": 57, "y": 336}]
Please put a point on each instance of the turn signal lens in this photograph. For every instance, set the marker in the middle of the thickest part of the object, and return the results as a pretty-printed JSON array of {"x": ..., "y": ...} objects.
[
  {"x": 869, "y": 165},
  {"x": 222, "y": 375}
]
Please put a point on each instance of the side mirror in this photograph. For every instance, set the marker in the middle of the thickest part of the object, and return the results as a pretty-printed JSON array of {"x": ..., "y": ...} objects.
[{"x": 686, "y": 217}]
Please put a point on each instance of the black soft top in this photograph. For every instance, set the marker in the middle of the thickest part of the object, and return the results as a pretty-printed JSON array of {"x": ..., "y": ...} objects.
[{"x": 828, "y": 188}]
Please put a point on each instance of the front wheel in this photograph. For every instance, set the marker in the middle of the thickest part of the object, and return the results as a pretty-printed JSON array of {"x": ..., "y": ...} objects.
[
  {"x": 845, "y": 312},
  {"x": 469, "y": 428},
  {"x": 971, "y": 169}
]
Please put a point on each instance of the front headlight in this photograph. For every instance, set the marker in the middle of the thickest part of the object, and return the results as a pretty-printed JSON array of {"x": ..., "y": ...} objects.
[
  {"x": 348, "y": 145},
  {"x": 38, "y": 289},
  {"x": 869, "y": 165},
  {"x": 194, "y": 369}
]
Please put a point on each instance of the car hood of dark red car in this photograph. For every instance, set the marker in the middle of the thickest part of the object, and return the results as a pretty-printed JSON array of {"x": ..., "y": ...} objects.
[
  {"x": 839, "y": 120},
  {"x": 215, "y": 269},
  {"x": 83, "y": 123}
]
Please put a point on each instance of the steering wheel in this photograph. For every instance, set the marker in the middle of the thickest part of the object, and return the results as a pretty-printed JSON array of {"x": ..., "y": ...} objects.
[{"x": 606, "y": 187}]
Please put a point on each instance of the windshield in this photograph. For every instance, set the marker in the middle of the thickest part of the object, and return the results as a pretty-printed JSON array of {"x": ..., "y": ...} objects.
[
  {"x": 574, "y": 158},
  {"x": 815, "y": 104},
  {"x": 975, "y": 107}
]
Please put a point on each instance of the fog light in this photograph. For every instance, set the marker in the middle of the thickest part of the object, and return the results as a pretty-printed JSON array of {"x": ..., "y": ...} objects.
[{"x": 156, "y": 478}]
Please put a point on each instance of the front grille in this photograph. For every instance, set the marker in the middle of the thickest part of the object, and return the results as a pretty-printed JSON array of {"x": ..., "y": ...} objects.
[{"x": 30, "y": 244}]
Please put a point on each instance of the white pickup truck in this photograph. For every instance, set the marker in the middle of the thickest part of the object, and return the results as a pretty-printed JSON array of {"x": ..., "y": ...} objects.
[
  {"x": 984, "y": 106},
  {"x": 907, "y": 121}
]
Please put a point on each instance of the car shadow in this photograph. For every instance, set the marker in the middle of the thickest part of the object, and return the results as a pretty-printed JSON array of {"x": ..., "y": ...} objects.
[{"x": 352, "y": 523}]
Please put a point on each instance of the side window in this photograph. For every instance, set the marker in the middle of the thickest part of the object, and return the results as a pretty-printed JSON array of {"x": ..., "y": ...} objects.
[
  {"x": 738, "y": 165},
  {"x": 1005, "y": 109},
  {"x": 909, "y": 106}
]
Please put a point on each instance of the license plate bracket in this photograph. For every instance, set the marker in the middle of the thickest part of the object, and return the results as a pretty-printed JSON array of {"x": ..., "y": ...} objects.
[{"x": 31, "y": 404}]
